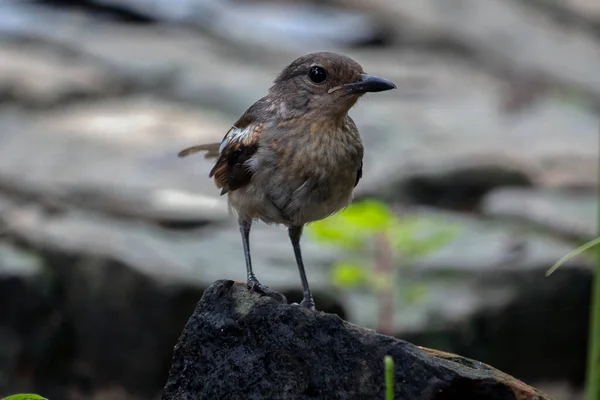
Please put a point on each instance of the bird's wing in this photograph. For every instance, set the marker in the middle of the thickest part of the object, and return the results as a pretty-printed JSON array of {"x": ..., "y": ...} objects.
[
  {"x": 359, "y": 173},
  {"x": 239, "y": 144}
]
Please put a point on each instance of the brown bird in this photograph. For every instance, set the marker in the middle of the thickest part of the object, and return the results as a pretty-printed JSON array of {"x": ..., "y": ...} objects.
[{"x": 295, "y": 156}]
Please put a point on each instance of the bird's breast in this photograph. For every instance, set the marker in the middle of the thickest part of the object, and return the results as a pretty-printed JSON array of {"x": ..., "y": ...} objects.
[{"x": 313, "y": 175}]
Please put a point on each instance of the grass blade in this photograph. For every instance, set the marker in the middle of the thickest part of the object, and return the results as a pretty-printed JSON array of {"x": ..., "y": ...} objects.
[{"x": 577, "y": 251}]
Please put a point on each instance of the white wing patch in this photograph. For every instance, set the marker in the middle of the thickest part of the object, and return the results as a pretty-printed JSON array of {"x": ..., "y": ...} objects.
[{"x": 234, "y": 134}]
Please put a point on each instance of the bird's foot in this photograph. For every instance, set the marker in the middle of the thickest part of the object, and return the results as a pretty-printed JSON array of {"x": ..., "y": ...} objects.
[
  {"x": 255, "y": 286},
  {"x": 307, "y": 302}
]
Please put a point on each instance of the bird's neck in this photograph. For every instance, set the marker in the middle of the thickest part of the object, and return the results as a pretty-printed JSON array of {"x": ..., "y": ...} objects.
[{"x": 321, "y": 109}]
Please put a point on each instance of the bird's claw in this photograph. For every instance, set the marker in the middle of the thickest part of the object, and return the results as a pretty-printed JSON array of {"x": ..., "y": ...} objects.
[
  {"x": 306, "y": 303},
  {"x": 258, "y": 287}
]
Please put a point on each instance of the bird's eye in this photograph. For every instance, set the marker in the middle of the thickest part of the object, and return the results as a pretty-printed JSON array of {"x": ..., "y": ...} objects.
[{"x": 317, "y": 74}]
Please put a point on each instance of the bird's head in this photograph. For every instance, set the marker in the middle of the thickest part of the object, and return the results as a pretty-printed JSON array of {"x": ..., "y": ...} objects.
[{"x": 326, "y": 83}]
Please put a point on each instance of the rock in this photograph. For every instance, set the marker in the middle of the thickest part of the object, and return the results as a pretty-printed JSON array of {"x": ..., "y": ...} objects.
[
  {"x": 416, "y": 148},
  {"x": 509, "y": 36},
  {"x": 253, "y": 21},
  {"x": 516, "y": 337},
  {"x": 114, "y": 318},
  {"x": 418, "y": 132},
  {"x": 494, "y": 149},
  {"x": 481, "y": 258},
  {"x": 27, "y": 318},
  {"x": 469, "y": 284},
  {"x": 561, "y": 390},
  {"x": 37, "y": 76},
  {"x": 583, "y": 13},
  {"x": 195, "y": 257},
  {"x": 129, "y": 149},
  {"x": 572, "y": 213},
  {"x": 238, "y": 344},
  {"x": 68, "y": 325}
]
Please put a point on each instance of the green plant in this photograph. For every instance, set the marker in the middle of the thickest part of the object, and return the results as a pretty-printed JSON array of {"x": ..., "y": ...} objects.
[
  {"x": 389, "y": 377},
  {"x": 28, "y": 396},
  {"x": 592, "y": 381},
  {"x": 592, "y": 391},
  {"x": 377, "y": 241}
]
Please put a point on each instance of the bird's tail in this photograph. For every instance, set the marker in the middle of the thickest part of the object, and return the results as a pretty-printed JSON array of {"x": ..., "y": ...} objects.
[{"x": 212, "y": 150}]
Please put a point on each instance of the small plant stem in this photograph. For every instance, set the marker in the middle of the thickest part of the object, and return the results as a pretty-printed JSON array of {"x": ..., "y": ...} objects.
[
  {"x": 389, "y": 378},
  {"x": 384, "y": 269}
]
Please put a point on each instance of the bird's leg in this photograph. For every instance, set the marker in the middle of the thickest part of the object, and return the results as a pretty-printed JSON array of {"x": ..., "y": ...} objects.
[
  {"x": 253, "y": 283},
  {"x": 295, "y": 233}
]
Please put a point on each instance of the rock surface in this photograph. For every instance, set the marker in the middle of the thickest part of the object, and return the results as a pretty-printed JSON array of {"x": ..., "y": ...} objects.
[
  {"x": 240, "y": 345},
  {"x": 570, "y": 213}
]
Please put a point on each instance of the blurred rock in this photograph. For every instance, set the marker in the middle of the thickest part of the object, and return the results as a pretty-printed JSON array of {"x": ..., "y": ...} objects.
[
  {"x": 544, "y": 313},
  {"x": 271, "y": 349},
  {"x": 30, "y": 20},
  {"x": 572, "y": 213},
  {"x": 586, "y": 8},
  {"x": 41, "y": 77},
  {"x": 504, "y": 35},
  {"x": 74, "y": 327},
  {"x": 475, "y": 273},
  {"x": 418, "y": 132},
  {"x": 486, "y": 293},
  {"x": 585, "y": 13},
  {"x": 116, "y": 156},
  {"x": 452, "y": 141},
  {"x": 560, "y": 390},
  {"x": 195, "y": 257},
  {"x": 258, "y": 22},
  {"x": 27, "y": 318}
]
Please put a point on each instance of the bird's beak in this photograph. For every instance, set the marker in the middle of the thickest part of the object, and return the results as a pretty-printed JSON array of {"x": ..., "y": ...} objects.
[{"x": 369, "y": 83}]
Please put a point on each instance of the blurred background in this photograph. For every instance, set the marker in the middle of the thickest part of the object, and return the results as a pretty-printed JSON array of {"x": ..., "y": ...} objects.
[{"x": 107, "y": 239}]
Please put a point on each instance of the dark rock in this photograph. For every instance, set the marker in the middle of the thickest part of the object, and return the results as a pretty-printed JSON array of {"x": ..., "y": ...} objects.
[
  {"x": 240, "y": 345},
  {"x": 28, "y": 320},
  {"x": 461, "y": 188},
  {"x": 519, "y": 336},
  {"x": 89, "y": 325}
]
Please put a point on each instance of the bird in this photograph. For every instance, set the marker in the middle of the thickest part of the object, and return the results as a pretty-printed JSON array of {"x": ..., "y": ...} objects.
[{"x": 295, "y": 156}]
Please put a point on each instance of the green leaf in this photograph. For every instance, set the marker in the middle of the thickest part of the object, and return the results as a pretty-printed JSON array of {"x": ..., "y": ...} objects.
[
  {"x": 349, "y": 274},
  {"x": 370, "y": 215},
  {"x": 25, "y": 397},
  {"x": 351, "y": 227},
  {"x": 332, "y": 231},
  {"x": 576, "y": 252}
]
